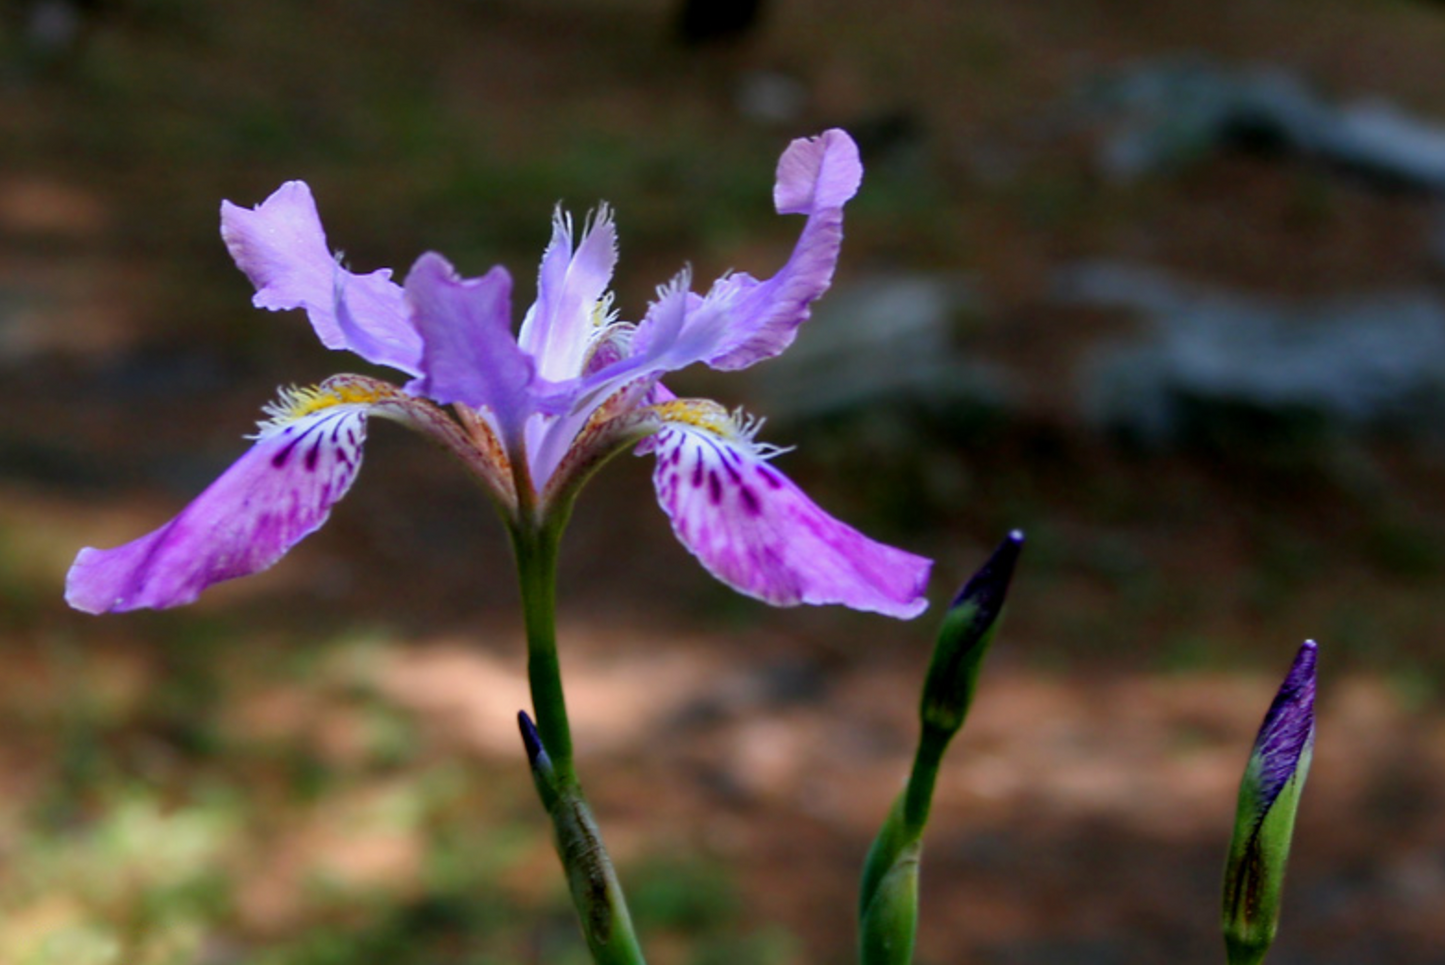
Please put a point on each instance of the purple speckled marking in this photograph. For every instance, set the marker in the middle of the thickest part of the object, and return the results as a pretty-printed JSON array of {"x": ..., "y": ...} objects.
[
  {"x": 714, "y": 487},
  {"x": 750, "y": 501}
]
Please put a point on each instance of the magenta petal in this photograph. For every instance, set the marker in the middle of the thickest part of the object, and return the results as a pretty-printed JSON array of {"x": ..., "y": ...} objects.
[
  {"x": 281, "y": 247},
  {"x": 280, "y": 491},
  {"x": 757, "y": 532}
]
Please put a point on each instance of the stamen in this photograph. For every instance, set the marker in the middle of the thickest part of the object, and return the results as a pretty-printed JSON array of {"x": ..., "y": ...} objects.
[{"x": 603, "y": 313}]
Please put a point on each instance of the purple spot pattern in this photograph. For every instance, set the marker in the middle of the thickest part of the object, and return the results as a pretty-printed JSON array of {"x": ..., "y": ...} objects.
[
  {"x": 275, "y": 495},
  {"x": 752, "y": 528}
]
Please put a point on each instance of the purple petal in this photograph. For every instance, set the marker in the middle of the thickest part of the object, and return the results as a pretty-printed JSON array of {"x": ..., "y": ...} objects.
[
  {"x": 1288, "y": 730},
  {"x": 818, "y": 173},
  {"x": 280, "y": 491},
  {"x": 743, "y": 320},
  {"x": 469, "y": 354},
  {"x": 756, "y": 531},
  {"x": 558, "y": 328},
  {"x": 281, "y": 247}
]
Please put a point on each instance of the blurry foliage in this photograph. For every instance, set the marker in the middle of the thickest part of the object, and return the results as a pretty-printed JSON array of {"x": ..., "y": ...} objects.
[{"x": 145, "y": 849}]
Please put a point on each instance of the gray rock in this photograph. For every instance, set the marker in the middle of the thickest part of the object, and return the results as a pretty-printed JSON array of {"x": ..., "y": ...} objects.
[
  {"x": 1353, "y": 362},
  {"x": 1165, "y": 113},
  {"x": 884, "y": 340}
]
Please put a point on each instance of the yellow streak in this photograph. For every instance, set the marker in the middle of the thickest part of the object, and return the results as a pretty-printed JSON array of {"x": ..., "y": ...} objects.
[
  {"x": 702, "y": 413},
  {"x": 296, "y": 402}
]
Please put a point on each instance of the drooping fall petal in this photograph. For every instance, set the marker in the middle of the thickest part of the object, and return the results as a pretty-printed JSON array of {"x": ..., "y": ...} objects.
[
  {"x": 277, "y": 493},
  {"x": 755, "y": 530},
  {"x": 281, "y": 247}
]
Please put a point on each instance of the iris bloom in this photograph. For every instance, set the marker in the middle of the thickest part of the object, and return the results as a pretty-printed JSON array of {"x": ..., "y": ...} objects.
[{"x": 534, "y": 412}]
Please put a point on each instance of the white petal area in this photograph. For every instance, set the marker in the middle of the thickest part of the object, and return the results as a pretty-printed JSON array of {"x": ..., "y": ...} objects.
[
  {"x": 276, "y": 494},
  {"x": 755, "y": 530},
  {"x": 559, "y": 327}
]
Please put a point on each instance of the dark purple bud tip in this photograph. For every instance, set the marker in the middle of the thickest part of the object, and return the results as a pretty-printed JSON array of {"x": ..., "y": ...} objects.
[
  {"x": 964, "y": 637},
  {"x": 987, "y": 588},
  {"x": 536, "y": 753},
  {"x": 1289, "y": 727}
]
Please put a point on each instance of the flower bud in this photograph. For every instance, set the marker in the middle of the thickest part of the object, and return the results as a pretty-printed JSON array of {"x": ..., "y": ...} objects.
[
  {"x": 964, "y": 638},
  {"x": 1264, "y": 822}
]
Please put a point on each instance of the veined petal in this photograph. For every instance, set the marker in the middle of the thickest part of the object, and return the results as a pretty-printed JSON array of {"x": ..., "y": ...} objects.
[
  {"x": 281, "y": 247},
  {"x": 469, "y": 354},
  {"x": 277, "y": 493},
  {"x": 743, "y": 320},
  {"x": 571, "y": 286},
  {"x": 755, "y": 530}
]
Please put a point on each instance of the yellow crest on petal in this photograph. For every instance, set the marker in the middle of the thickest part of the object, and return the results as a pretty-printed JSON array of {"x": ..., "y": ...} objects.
[
  {"x": 296, "y": 402},
  {"x": 736, "y": 427}
]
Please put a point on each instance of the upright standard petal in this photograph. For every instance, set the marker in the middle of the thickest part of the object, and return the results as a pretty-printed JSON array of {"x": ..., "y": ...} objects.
[
  {"x": 571, "y": 290},
  {"x": 752, "y": 528},
  {"x": 281, "y": 247},
  {"x": 276, "y": 494},
  {"x": 743, "y": 320},
  {"x": 470, "y": 355}
]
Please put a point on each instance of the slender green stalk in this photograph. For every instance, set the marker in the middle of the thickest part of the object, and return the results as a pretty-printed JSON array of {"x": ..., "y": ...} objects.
[
  {"x": 596, "y": 892},
  {"x": 536, "y": 550},
  {"x": 888, "y": 893}
]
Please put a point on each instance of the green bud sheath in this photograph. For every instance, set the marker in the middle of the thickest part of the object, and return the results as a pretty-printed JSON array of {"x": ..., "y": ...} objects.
[
  {"x": 1269, "y": 795},
  {"x": 596, "y": 893},
  {"x": 890, "y": 921}
]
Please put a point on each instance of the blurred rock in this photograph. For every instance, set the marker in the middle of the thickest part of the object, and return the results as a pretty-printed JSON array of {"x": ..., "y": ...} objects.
[
  {"x": 1166, "y": 113},
  {"x": 880, "y": 341},
  {"x": 1367, "y": 361},
  {"x": 770, "y": 97}
]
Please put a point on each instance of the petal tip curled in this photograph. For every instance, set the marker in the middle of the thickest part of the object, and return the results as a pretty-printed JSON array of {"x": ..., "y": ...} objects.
[
  {"x": 281, "y": 247},
  {"x": 817, "y": 172}
]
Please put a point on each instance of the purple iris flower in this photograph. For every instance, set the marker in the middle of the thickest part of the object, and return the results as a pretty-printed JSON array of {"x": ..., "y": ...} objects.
[{"x": 533, "y": 413}]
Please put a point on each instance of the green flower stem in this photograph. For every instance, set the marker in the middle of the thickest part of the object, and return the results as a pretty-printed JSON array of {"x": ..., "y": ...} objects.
[
  {"x": 536, "y": 550},
  {"x": 596, "y": 892},
  {"x": 918, "y": 795},
  {"x": 888, "y": 895}
]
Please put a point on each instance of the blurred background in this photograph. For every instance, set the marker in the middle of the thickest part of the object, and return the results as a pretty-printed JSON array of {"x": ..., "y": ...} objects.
[{"x": 1163, "y": 286}]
